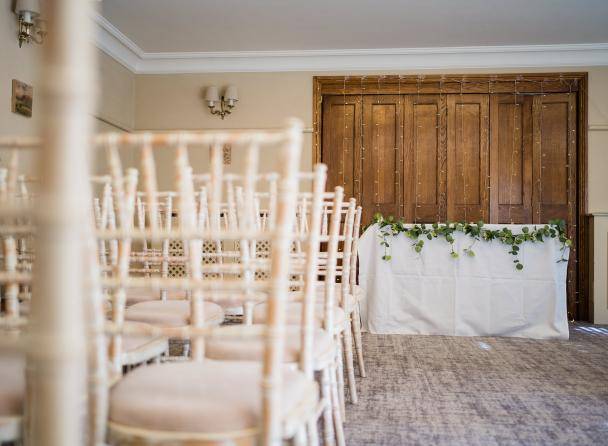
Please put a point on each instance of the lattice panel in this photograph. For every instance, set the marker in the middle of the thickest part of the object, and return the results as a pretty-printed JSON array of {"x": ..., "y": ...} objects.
[
  {"x": 177, "y": 270},
  {"x": 176, "y": 248},
  {"x": 262, "y": 251},
  {"x": 210, "y": 247}
]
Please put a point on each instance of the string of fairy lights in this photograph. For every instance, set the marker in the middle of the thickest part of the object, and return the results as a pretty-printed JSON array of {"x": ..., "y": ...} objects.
[
  {"x": 571, "y": 190},
  {"x": 513, "y": 148},
  {"x": 342, "y": 171},
  {"x": 443, "y": 155},
  {"x": 400, "y": 148},
  {"x": 379, "y": 153},
  {"x": 362, "y": 136},
  {"x": 541, "y": 114},
  {"x": 463, "y": 163},
  {"x": 416, "y": 125},
  {"x": 517, "y": 141}
]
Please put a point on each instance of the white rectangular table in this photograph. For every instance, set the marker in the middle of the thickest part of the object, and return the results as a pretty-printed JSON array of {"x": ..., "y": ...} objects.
[{"x": 432, "y": 293}]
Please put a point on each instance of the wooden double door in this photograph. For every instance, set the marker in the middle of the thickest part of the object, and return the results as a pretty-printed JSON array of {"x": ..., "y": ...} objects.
[
  {"x": 500, "y": 158},
  {"x": 498, "y": 148}
]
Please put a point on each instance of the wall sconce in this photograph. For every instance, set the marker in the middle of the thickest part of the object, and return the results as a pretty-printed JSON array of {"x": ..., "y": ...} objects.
[
  {"x": 221, "y": 106},
  {"x": 31, "y": 27}
]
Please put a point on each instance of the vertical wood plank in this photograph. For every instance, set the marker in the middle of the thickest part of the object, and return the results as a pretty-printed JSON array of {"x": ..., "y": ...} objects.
[
  {"x": 510, "y": 158},
  {"x": 554, "y": 122},
  {"x": 425, "y": 148},
  {"x": 341, "y": 141},
  {"x": 382, "y": 169},
  {"x": 555, "y": 177},
  {"x": 468, "y": 157}
]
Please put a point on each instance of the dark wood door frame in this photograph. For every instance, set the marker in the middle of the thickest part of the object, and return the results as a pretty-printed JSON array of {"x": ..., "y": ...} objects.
[{"x": 523, "y": 83}]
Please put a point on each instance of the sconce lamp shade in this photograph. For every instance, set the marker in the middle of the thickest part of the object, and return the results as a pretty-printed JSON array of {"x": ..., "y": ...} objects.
[
  {"x": 221, "y": 106},
  {"x": 27, "y": 6},
  {"x": 231, "y": 93},
  {"x": 212, "y": 94}
]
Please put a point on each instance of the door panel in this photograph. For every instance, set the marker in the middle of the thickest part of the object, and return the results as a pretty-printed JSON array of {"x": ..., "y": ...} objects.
[
  {"x": 382, "y": 154},
  {"x": 511, "y": 158},
  {"x": 468, "y": 160},
  {"x": 554, "y": 170},
  {"x": 341, "y": 142},
  {"x": 425, "y": 158},
  {"x": 554, "y": 124}
]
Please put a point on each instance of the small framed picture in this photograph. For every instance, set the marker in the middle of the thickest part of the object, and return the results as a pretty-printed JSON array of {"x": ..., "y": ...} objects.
[{"x": 23, "y": 96}]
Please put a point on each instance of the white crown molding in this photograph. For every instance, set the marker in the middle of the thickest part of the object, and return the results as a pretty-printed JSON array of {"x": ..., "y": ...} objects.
[
  {"x": 124, "y": 50},
  {"x": 378, "y": 59},
  {"x": 115, "y": 44}
]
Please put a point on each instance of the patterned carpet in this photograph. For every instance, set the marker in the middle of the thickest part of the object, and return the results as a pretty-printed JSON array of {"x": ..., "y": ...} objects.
[{"x": 437, "y": 390}]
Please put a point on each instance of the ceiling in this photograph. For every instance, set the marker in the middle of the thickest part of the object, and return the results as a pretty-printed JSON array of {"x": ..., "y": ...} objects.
[{"x": 274, "y": 25}]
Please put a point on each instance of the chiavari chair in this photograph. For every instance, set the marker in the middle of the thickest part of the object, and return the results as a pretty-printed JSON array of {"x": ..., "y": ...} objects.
[
  {"x": 16, "y": 212},
  {"x": 151, "y": 260},
  {"x": 344, "y": 300},
  {"x": 217, "y": 252},
  {"x": 203, "y": 400},
  {"x": 357, "y": 294},
  {"x": 12, "y": 358},
  {"x": 328, "y": 313},
  {"x": 308, "y": 345},
  {"x": 134, "y": 349},
  {"x": 162, "y": 312},
  {"x": 344, "y": 291},
  {"x": 147, "y": 261}
]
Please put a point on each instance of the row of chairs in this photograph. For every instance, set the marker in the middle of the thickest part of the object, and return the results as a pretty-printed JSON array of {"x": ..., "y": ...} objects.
[{"x": 224, "y": 310}]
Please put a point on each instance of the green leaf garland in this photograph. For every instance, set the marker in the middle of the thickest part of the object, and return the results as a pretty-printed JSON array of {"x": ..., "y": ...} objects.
[{"x": 419, "y": 232}]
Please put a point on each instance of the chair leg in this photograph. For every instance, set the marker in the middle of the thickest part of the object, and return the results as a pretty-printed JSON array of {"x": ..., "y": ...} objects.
[
  {"x": 335, "y": 404},
  {"x": 312, "y": 431},
  {"x": 248, "y": 313},
  {"x": 347, "y": 338},
  {"x": 328, "y": 428},
  {"x": 340, "y": 377},
  {"x": 356, "y": 324},
  {"x": 300, "y": 437}
]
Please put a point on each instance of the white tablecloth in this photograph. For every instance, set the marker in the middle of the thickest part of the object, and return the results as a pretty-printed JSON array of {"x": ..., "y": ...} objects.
[{"x": 484, "y": 295}]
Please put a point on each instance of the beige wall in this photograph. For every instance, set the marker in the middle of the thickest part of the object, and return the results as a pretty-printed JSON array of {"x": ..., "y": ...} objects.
[
  {"x": 175, "y": 102},
  {"x": 116, "y": 95}
]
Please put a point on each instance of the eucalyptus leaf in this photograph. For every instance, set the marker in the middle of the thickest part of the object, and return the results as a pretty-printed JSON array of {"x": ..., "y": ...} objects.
[{"x": 391, "y": 227}]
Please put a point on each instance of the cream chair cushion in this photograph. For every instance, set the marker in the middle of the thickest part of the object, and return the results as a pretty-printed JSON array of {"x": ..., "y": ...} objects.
[
  {"x": 171, "y": 313},
  {"x": 294, "y": 314},
  {"x": 12, "y": 385},
  {"x": 207, "y": 397},
  {"x": 140, "y": 348},
  {"x": 253, "y": 349}
]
